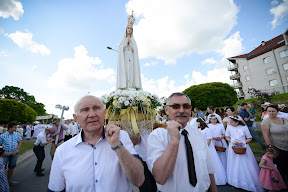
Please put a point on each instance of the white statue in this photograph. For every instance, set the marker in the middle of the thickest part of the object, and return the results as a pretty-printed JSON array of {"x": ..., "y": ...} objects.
[{"x": 128, "y": 69}]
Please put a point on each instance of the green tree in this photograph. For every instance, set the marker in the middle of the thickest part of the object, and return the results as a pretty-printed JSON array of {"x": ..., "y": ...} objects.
[
  {"x": 216, "y": 94},
  {"x": 12, "y": 110},
  {"x": 11, "y": 92}
]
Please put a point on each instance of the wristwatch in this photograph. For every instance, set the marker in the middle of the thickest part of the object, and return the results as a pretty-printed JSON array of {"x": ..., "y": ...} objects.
[{"x": 117, "y": 146}]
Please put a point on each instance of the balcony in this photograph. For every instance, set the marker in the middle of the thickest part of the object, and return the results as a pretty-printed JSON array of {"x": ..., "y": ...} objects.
[
  {"x": 238, "y": 85},
  {"x": 235, "y": 76},
  {"x": 233, "y": 67}
]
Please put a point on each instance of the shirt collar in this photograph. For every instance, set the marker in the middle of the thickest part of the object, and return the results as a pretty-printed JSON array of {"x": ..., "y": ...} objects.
[{"x": 81, "y": 134}]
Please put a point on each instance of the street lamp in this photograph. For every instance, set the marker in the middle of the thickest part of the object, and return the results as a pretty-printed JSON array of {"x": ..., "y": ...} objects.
[
  {"x": 112, "y": 49},
  {"x": 59, "y": 126}
]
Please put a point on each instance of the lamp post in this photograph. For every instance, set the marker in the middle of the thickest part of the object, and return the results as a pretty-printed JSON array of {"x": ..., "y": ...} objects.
[
  {"x": 112, "y": 49},
  {"x": 59, "y": 126}
]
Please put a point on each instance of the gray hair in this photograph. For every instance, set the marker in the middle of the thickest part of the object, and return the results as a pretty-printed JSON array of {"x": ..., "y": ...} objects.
[
  {"x": 79, "y": 101},
  {"x": 177, "y": 94}
]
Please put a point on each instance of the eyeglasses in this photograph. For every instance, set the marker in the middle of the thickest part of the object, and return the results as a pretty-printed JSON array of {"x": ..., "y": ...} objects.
[{"x": 178, "y": 106}]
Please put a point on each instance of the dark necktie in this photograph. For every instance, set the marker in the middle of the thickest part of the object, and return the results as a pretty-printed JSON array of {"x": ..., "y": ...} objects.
[{"x": 190, "y": 159}]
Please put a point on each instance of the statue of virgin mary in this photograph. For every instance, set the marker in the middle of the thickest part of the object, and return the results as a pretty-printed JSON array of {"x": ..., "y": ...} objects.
[{"x": 128, "y": 69}]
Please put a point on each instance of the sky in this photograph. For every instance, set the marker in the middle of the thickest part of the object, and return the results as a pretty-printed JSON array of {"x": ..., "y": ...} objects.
[{"x": 57, "y": 50}]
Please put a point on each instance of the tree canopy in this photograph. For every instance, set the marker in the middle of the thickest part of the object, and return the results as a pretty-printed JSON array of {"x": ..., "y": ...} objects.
[
  {"x": 12, "y": 110},
  {"x": 11, "y": 92},
  {"x": 215, "y": 94}
]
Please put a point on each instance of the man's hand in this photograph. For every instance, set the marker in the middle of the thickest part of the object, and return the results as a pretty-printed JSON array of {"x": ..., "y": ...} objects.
[
  {"x": 112, "y": 134},
  {"x": 14, "y": 153},
  {"x": 6, "y": 154},
  {"x": 57, "y": 133},
  {"x": 173, "y": 130},
  {"x": 246, "y": 119}
]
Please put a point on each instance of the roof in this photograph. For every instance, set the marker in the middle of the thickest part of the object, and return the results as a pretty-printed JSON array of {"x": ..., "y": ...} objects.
[{"x": 268, "y": 46}]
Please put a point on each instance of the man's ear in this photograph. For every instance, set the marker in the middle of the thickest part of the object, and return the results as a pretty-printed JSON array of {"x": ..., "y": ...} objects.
[
  {"x": 166, "y": 109},
  {"x": 75, "y": 117}
]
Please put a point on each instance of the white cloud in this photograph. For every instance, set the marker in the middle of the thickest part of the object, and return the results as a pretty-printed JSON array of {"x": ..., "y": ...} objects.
[
  {"x": 232, "y": 46},
  {"x": 209, "y": 61},
  {"x": 81, "y": 72},
  {"x": 186, "y": 76},
  {"x": 274, "y": 2},
  {"x": 24, "y": 40},
  {"x": 279, "y": 12},
  {"x": 11, "y": 8},
  {"x": 34, "y": 67},
  {"x": 168, "y": 29},
  {"x": 4, "y": 53},
  {"x": 161, "y": 87},
  {"x": 150, "y": 64}
]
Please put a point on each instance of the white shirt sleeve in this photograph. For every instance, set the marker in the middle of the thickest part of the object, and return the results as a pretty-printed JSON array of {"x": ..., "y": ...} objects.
[
  {"x": 56, "y": 178},
  {"x": 127, "y": 143},
  {"x": 155, "y": 148}
]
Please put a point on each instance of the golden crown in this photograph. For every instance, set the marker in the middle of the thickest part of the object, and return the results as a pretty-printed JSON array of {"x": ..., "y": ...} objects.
[{"x": 131, "y": 20}]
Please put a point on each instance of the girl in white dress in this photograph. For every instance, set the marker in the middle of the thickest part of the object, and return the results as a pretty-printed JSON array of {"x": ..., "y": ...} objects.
[
  {"x": 218, "y": 134},
  {"x": 242, "y": 169},
  {"x": 220, "y": 175}
]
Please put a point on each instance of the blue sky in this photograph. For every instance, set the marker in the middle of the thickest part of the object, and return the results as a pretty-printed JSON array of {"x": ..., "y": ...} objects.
[{"x": 56, "y": 50}]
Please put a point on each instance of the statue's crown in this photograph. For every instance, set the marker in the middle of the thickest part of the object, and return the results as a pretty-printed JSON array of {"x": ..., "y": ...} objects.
[{"x": 131, "y": 20}]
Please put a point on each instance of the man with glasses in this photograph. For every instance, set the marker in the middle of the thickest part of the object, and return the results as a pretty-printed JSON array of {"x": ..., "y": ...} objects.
[{"x": 178, "y": 156}]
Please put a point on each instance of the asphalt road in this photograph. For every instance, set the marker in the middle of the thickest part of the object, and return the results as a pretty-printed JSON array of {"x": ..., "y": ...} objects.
[{"x": 29, "y": 182}]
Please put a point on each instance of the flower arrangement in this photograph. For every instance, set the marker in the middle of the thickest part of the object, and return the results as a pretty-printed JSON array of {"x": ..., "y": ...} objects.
[
  {"x": 123, "y": 99},
  {"x": 131, "y": 109}
]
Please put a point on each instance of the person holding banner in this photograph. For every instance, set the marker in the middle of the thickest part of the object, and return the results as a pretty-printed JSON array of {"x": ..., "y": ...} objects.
[{"x": 54, "y": 134}]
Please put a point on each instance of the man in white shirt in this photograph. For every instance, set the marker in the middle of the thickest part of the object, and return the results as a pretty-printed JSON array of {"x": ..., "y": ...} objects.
[
  {"x": 38, "y": 149},
  {"x": 97, "y": 159},
  {"x": 167, "y": 155},
  {"x": 210, "y": 110}
]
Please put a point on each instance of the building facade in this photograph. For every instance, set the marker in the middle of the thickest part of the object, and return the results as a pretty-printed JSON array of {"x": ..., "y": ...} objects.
[{"x": 265, "y": 68}]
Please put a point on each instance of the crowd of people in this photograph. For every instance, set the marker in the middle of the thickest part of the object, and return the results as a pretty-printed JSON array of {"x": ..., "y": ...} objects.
[{"x": 195, "y": 151}]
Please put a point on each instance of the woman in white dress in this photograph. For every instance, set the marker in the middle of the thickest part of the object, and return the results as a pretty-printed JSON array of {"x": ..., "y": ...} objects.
[
  {"x": 218, "y": 134},
  {"x": 128, "y": 69},
  {"x": 28, "y": 132},
  {"x": 220, "y": 175},
  {"x": 242, "y": 169}
]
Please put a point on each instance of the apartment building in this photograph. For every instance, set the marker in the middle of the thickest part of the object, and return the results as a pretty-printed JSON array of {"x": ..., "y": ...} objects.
[{"x": 265, "y": 68}]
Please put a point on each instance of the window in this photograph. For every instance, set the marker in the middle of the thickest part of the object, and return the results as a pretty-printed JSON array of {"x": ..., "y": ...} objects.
[
  {"x": 273, "y": 83},
  {"x": 270, "y": 71},
  {"x": 283, "y": 53},
  {"x": 285, "y": 66},
  {"x": 287, "y": 79},
  {"x": 247, "y": 78},
  {"x": 267, "y": 60},
  {"x": 245, "y": 68}
]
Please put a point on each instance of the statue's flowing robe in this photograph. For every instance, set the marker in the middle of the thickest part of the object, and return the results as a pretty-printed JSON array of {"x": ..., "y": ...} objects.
[{"x": 128, "y": 69}]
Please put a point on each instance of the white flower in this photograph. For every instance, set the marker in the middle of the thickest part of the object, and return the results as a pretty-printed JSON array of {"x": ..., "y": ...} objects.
[{"x": 126, "y": 103}]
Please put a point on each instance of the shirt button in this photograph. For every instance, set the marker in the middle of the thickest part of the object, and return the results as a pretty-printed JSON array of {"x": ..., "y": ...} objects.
[
  {"x": 96, "y": 181},
  {"x": 95, "y": 163}
]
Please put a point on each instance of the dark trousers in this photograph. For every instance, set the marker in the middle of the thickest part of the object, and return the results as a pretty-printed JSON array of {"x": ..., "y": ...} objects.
[
  {"x": 149, "y": 183},
  {"x": 40, "y": 154},
  {"x": 282, "y": 165}
]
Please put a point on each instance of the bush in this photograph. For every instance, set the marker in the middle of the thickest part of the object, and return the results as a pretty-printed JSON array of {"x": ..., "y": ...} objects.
[
  {"x": 216, "y": 94},
  {"x": 12, "y": 110}
]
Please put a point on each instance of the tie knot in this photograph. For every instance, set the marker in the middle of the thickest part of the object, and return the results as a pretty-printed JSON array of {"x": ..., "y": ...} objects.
[{"x": 184, "y": 132}]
